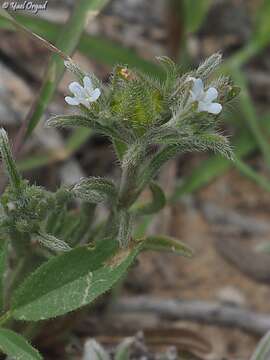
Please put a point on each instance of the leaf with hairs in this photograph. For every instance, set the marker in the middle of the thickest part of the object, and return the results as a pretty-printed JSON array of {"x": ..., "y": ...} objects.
[
  {"x": 166, "y": 243},
  {"x": 71, "y": 280},
  {"x": 62, "y": 121},
  {"x": 158, "y": 202},
  {"x": 14, "y": 176},
  {"x": 95, "y": 190},
  {"x": 15, "y": 346},
  {"x": 52, "y": 243}
]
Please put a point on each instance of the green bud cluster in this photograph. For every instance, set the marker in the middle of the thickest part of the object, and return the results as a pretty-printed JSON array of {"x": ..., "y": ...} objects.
[
  {"x": 148, "y": 121},
  {"x": 25, "y": 211}
]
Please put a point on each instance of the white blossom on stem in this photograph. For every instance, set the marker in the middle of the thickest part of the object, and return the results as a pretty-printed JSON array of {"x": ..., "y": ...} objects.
[
  {"x": 84, "y": 95},
  {"x": 204, "y": 98}
]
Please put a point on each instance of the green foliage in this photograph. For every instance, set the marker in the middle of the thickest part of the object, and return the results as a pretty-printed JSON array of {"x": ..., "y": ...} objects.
[
  {"x": 262, "y": 25},
  {"x": 15, "y": 346},
  {"x": 70, "y": 281},
  {"x": 158, "y": 202},
  {"x": 14, "y": 177},
  {"x": 195, "y": 13},
  {"x": 94, "y": 351},
  {"x": 123, "y": 349},
  {"x": 167, "y": 244},
  {"x": 52, "y": 243},
  {"x": 95, "y": 190},
  {"x": 262, "y": 351},
  {"x": 148, "y": 121},
  {"x": 3, "y": 265}
]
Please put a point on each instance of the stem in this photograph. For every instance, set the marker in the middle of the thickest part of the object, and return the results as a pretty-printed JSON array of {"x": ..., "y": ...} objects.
[{"x": 5, "y": 317}]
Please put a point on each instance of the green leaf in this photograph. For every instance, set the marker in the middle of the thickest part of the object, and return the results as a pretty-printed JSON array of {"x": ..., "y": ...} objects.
[
  {"x": 158, "y": 202},
  {"x": 95, "y": 190},
  {"x": 195, "y": 13},
  {"x": 94, "y": 351},
  {"x": 72, "y": 280},
  {"x": 123, "y": 349},
  {"x": 250, "y": 116},
  {"x": 262, "y": 351},
  {"x": 166, "y": 243},
  {"x": 3, "y": 263},
  {"x": 62, "y": 121},
  {"x": 14, "y": 176},
  {"x": 262, "y": 25},
  {"x": 52, "y": 243},
  {"x": 15, "y": 346}
]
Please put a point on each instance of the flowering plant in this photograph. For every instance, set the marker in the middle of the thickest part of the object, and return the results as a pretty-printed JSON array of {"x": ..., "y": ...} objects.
[{"x": 58, "y": 260}]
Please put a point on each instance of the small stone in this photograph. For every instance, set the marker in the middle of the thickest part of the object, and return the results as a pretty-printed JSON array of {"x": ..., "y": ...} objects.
[{"x": 231, "y": 295}]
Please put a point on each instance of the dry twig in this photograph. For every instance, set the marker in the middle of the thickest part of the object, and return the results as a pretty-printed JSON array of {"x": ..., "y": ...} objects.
[{"x": 211, "y": 313}]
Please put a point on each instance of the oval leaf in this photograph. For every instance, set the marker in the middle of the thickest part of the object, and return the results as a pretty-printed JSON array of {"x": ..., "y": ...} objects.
[
  {"x": 15, "y": 346},
  {"x": 166, "y": 243},
  {"x": 71, "y": 280},
  {"x": 52, "y": 243},
  {"x": 95, "y": 190}
]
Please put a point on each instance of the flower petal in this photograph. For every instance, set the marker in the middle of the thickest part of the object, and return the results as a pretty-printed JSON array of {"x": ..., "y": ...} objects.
[
  {"x": 87, "y": 83},
  {"x": 197, "y": 90},
  {"x": 210, "y": 95},
  {"x": 77, "y": 89},
  {"x": 214, "y": 108},
  {"x": 72, "y": 100},
  {"x": 95, "y": 95},
  {"x": 203, "y": 106}
]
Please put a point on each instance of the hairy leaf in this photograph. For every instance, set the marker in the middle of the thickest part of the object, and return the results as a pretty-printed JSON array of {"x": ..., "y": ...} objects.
[
  {"x": 15, "y": 346},
  {"x": 158, "y": 202},
  {"x": 71, "y": 280},
  {"x": 52, "y": 243},
  {"x": 10, "y": 165},
  {"x": 113, "y": 131},
  {"x": 95, "y": 190},
  {"x": 166, "y": 243}
]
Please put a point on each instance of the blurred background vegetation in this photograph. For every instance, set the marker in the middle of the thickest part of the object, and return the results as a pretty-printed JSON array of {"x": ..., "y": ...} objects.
[{"x": 220, "y": 208}]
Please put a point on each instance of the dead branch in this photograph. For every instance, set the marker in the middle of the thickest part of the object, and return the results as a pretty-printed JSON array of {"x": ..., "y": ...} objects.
[{"x": 211, "y": 313}]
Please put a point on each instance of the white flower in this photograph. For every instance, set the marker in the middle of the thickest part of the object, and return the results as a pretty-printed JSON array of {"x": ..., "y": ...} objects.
[
  {"x": 204, "y": 98},
  {"x": 84, "y": 95}
]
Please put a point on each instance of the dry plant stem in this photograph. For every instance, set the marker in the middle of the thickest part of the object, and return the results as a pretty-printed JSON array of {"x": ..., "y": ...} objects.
[{"x": 211, "y": 313}]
